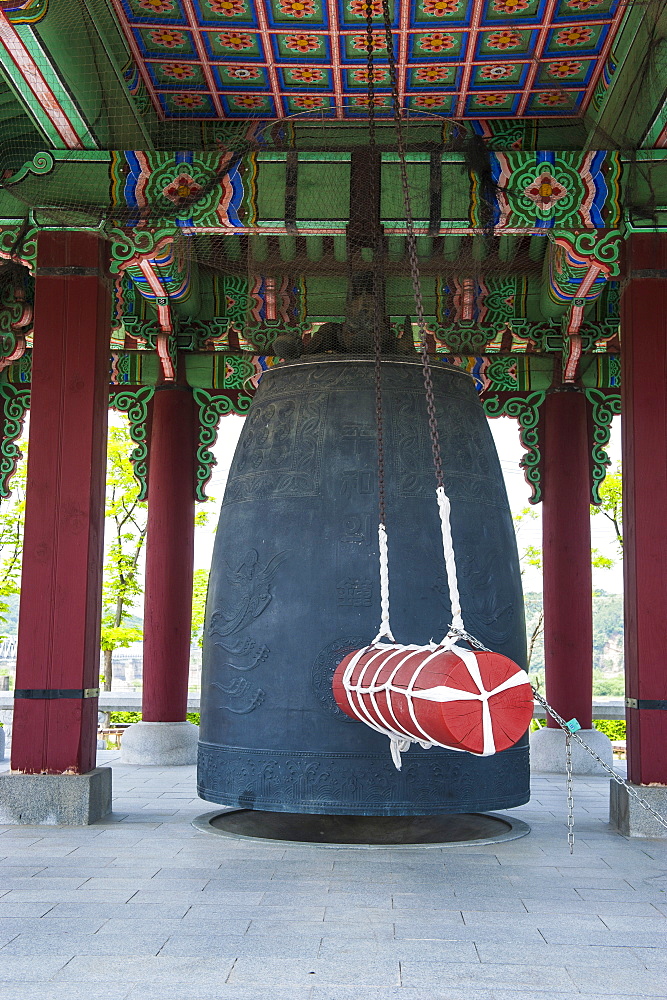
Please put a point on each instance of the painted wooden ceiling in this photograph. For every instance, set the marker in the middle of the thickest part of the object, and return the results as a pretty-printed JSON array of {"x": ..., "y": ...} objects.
[{"x": 238, "y": 59}]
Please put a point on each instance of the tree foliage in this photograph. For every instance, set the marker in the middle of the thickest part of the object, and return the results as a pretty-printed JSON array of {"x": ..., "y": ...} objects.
[
  {"x": 611, "y": 507},
  {"x": 126, "y": 518},
  {"x": 12, "y": 516},
  {"x": 199, "y": 589}
]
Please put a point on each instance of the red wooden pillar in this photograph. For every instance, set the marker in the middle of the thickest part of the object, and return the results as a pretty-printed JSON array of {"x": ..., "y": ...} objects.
[
  {"x": 644, "y": 426},
  {"x": 566, "y": 533},
  {"x": 58, "y": 660},
  {"x": 169, "y": 556}
]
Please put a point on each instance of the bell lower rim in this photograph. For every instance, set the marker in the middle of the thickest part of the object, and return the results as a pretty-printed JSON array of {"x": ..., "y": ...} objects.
[
  {"x": 439, "y": 830},
  {"x": 274, "y": 781}
]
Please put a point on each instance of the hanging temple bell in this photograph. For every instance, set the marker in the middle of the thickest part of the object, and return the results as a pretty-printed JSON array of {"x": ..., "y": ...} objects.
[{"x": 294, "y": 588}]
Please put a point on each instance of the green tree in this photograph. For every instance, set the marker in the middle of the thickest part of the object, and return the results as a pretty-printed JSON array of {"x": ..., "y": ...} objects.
[
  {"x": 199, "y": 588},
  {"x": 126, "y": 515},
  {"x": 531, "y": 555},
  {"x": 611, "y": 495},
  {"x": 12, "y": 517}
]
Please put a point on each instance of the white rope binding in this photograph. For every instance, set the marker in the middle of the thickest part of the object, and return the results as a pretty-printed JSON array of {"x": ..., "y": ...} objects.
[
  {"x": 385, "y": 628},
  {"x": 400, "y": 739},
  {"x": 445, "y": 509}
]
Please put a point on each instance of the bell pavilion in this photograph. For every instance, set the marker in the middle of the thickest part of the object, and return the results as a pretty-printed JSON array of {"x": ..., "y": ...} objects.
[{"x": 192, "y": 191}]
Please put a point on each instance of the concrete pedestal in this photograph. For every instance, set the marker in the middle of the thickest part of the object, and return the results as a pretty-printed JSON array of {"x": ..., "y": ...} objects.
[
  {"x": 547, "y": 752},
  {"x": 55, "y": 799},
  {"x": 166, "y": 743},
  {"x": 630, "y": 818}
]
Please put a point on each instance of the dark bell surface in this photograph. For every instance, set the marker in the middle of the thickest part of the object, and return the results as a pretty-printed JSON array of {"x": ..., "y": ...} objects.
[{"x": 294, "y": 587}]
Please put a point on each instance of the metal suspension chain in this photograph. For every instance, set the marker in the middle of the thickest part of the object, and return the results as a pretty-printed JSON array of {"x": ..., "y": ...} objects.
[
  {"x": 457, "y": 629},
  {"x": 378, "y": 319},
  {"x": 411, "y": 241}
]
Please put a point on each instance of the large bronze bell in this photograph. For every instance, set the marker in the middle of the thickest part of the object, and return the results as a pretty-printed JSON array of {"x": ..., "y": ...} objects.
[{"x": 294, "y": 586}]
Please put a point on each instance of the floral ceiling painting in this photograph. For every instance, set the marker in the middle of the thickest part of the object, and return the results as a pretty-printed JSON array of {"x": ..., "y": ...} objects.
[{"x": 456, "y": 58}]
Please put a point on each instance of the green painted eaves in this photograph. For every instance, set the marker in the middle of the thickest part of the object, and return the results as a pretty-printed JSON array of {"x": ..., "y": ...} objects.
[
  {"x": 85, "y": 44},
  {"x": 637, "y": 88}
]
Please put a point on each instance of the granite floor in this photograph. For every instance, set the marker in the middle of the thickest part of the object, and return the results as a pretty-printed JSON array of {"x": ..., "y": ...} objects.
[{"x": 145, "y": 907}]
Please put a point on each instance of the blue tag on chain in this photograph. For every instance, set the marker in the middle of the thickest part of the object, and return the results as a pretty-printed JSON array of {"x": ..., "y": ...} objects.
[{"x": 573, "y": 726}]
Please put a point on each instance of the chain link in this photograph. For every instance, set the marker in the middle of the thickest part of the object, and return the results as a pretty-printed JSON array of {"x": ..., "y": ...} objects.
[
  {"x": 412, "y": 248},
  {"x": 570, "y": 796},
  {"x": 610, "y": 771},
  {"x": 376, "y": 248},
  {"x": 470, "y": 639}
]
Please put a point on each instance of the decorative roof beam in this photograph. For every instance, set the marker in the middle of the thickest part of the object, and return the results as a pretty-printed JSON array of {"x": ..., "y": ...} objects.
[{"x": 37, "y": 83}]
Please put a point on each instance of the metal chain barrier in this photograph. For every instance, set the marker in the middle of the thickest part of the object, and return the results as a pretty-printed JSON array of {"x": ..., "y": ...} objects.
[
  {"x": 570, "y": 787},
  {"x": 574, "y": 735}
]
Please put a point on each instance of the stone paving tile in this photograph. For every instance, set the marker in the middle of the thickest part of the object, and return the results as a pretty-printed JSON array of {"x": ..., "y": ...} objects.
[
  {"x": 55, "y": 896},
  {"x": 445, "y": 900},
  {"x": 479, "y": 904},
  {"x": 183, "y": 871},
  {"x": 104, "y": 911},
  {"x": 563, "y": 955},
  {"x": 55, "y": 927},
  {"x": 19, "y": 871},
  {"x": 25, "y": 969},
  {"x": 622, "y": 894},
  {"x": 269, "y": 948},
  {"x": 37, "y": 883},
  {"x": 147, "y": 884},
  {"x": 7, "y": 935},
  {"x": 655, "y": 924},
  {"x": 582, "y": 906},
  {"x": 529, "y": 976},
  {"x": 442, "y": 992},
  {"x": 652, "y": 958},
  {"x": 147, "y": 969},
  {"x": 85, "y": 944},
  {"x": 68, "y": 991},
  {"x": 611, "y": 939},
  {"x": 158, "y": 896},
  {"x": 10, "y": 910},
  {"x": 74, "y": 861},
  {"x": 362, "y": 972},
  {"x": 621, "y": 981},
  {"x": 399, "y": 950},
  {"x": 197, "y": 991}
]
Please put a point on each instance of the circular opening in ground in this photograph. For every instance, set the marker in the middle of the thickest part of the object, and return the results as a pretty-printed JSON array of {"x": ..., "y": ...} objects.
[{"x": 364, "y": 831}]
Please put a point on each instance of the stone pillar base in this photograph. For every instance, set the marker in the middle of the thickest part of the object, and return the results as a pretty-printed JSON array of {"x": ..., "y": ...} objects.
[
  {"x": 55, "y": 799},
  {"x": 166, "y": 743},
  {"x": 547, "y": 752},
  {"x": 630, "y": 818}
]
